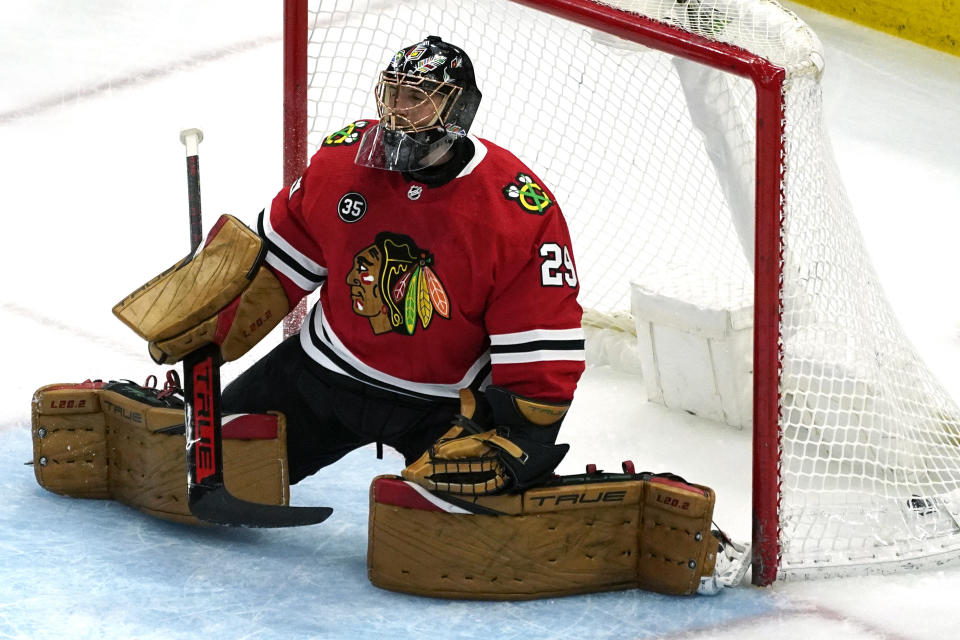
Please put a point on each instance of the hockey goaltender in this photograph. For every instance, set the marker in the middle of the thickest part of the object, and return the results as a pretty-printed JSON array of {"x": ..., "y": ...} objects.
[{"x": 447, "y": 328}]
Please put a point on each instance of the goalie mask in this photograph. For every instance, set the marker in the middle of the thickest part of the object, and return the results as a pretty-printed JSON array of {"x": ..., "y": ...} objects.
[{"x": 426, "y": 98}]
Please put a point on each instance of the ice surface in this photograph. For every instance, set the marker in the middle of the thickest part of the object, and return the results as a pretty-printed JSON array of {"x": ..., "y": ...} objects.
[{"x": 95, "y": 201}]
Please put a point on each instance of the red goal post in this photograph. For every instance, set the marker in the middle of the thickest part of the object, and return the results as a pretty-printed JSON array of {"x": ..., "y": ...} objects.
[
  {"x": 294, "y": 114},
  {"x": 803, "y": 366}
]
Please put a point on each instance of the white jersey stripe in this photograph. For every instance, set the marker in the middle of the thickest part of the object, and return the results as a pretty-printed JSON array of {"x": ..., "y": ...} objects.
[
  {"x": 304, "y": 283},
  {"x": 479, "y": 153},
  {"x": 536, "y": 335},
  {"x": 331, "y": 341},
  {"x": 537, "y": 356}
]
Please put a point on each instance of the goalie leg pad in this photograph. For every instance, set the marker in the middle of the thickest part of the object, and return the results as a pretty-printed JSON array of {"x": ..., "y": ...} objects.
[
  {"x": 567, "y": 537},
  {"x": 93, "y": 442}
]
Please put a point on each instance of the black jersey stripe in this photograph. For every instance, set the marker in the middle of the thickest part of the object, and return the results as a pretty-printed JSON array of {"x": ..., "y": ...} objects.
[
  {"x": 538, "y": 345},
  {"x": 287, "y": 259},
  {"x": 323, "y": 345},
  {"x": 349, "y": 369}
]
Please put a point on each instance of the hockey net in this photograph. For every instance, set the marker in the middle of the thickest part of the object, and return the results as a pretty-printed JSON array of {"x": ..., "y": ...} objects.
[{"x": 685, "y": 142}]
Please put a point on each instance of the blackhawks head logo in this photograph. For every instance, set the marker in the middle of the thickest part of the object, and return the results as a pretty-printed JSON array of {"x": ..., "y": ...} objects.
[{"x": 393, "y": 285}]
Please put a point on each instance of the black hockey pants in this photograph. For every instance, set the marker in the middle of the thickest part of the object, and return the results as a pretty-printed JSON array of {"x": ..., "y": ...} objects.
[{"x": 329, "y": 415}]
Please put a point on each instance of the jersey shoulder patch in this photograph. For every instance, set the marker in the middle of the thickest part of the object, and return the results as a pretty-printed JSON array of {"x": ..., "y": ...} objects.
[
  {"x": 349, "y": 134},
  {"x": 517, "y": 182},
  {"x": 526, "y": 191}
]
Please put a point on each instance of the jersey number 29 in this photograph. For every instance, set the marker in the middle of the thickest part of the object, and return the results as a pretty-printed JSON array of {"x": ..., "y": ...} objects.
[{"x": 557, "y": 268}]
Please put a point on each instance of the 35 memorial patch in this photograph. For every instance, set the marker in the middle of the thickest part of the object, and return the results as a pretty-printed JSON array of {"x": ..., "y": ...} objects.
[
  {"x": 350, "y": 134},
  {"x": 531, "y": 197}
]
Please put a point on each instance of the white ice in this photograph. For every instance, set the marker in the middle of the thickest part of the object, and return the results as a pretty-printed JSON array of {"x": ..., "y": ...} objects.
[{"x": 94, "y": 198}]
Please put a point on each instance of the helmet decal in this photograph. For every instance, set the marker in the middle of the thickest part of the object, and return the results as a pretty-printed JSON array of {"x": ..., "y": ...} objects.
[
  {"x": 431, "y": 63},
  {"x": 417, "y": 51},
  {"x": 456, "y": 130}
]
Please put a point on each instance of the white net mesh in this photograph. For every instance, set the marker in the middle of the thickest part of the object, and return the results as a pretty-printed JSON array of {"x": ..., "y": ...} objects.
[
  {"x": 652, "y": 159},
  {"x": 870, "y": 448}
]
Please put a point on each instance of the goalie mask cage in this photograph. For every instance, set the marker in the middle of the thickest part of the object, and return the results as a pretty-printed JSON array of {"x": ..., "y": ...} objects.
[{"x": 684, "y": 140}]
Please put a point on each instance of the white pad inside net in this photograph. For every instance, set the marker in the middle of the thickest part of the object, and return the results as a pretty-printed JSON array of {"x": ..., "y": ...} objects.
[{"x": 652, "y": 159}]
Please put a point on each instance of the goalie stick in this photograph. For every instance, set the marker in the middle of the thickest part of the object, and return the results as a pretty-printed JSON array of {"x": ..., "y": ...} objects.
[{"x": 207, "y": 496}]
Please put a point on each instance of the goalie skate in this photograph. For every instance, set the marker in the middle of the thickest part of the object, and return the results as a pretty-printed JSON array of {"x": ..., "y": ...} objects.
[{"x": 733, "y": 560}]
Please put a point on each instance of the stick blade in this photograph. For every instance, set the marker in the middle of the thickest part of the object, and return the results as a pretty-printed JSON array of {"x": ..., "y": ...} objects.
[{"x": 218, "y": 506}]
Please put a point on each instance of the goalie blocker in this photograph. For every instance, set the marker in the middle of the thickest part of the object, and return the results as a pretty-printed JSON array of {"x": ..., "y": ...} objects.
[
  {"x": 573, "y": 534},
  {"x": 223, "y": 294}
]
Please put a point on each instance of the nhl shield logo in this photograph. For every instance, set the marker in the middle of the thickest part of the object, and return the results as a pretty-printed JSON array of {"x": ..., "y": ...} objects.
[{"x": 415, "y": 192}]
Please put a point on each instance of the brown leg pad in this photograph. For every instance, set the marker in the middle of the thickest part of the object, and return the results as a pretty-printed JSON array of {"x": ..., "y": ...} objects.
[
  {"x": 92, "y": 443},
  {"x": 548, "y": 541}
]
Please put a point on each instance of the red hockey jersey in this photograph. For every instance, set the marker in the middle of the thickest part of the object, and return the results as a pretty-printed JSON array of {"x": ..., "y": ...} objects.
[{"x": 425, "y": 290}]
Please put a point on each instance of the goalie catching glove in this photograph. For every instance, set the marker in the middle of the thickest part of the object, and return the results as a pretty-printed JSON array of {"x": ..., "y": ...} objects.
[
  {"x": 223, "y": 294},
  {"x": 477, "y": 458}
]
